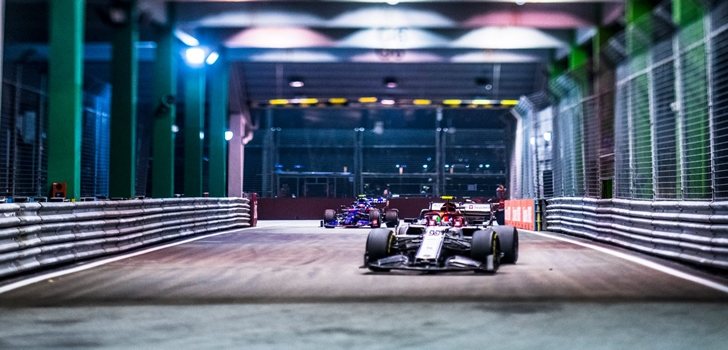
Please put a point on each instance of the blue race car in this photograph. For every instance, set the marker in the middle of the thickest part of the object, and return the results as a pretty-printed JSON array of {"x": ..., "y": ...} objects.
[{"x": 362, "y": 212}]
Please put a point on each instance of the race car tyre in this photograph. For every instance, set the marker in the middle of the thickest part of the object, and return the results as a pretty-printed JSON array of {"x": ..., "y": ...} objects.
[
  {"x": 508, "y": 236},
  {"x": 375, "y": 218},
  {"x": 485, "y": 246},
  {"x": 391, "y": 217},
  {"x": 329, "y": 216},
  {"x": 379, "y": 245}
]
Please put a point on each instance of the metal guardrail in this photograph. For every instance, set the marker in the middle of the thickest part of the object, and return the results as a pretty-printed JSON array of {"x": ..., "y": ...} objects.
[
  {"x": 37, "y": 235},
  {"x": 695, "y": 232}
]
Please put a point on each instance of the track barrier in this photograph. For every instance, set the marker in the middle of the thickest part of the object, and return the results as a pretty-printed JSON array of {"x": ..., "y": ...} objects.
[
  {"x": 37, "y": 235},
  {"x": 695, "y": 232}
]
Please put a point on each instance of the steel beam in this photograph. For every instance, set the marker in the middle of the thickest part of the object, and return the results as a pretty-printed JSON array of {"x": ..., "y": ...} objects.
[
  {"x": 194, "y": 130},
  {"x": 219, "y": 80},
  {"x": 124, "y": 74},
  {"x": 165, "y": 91},
  {"x": 65, "y": 94}
]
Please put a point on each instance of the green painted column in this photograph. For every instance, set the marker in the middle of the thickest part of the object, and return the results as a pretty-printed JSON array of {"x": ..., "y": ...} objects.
[
  {"x": 600, "y": 39},
  {"x": 2, "y": 38},
  {"x": 638, "y": 37},
  {"x": 635, "y": 13},
  {"x": 578, "y": 56},
  {"x": 193, "y": 129},
  {"x": 165, "y": 91},
  {"x": 685, "y": 12},
  {"x": 124, "y": 72},
  {"x": 219, "y": 80},
  {"x": 65, "y": 85},
  {"x": 694, "y": 99}
]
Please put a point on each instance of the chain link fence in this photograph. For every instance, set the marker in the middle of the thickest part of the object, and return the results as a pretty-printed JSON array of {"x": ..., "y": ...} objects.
[
  {"x": 650, "y": 120},
  {"x": 23, "y": 126}
]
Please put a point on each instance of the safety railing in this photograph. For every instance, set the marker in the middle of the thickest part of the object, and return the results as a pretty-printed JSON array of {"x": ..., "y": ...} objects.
[
  {"x": 695, "y": 232},
  {"x": 38, "y": 235}
]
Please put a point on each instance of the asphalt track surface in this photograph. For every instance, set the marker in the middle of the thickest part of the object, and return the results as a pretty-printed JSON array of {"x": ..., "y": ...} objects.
[{"x": 293, "y": 285}]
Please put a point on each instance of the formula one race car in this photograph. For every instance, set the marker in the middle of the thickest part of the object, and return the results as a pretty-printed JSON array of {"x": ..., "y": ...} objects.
[
  {"x": 441, "y": 240},
  {"x": 363, "y": 212}
]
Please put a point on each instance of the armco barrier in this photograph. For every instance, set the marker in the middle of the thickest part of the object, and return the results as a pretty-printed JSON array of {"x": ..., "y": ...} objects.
[
  {"x": 35, "y": 235},
  {"x": 695, "y": 232}
]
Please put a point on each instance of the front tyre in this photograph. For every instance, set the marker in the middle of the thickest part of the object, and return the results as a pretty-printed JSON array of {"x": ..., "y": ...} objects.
[
  {"x": 485, "y": 249},
  {"x": 391, "y": 217},
  {"x": 329, "y": 218},
  {"x": 375, "y": 218},
  {"x": 508, "y": 236},
  {"x": 379, "y": 245}
]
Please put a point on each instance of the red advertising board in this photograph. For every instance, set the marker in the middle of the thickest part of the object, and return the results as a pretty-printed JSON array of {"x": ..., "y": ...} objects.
[{"x": 520, "y": 213}]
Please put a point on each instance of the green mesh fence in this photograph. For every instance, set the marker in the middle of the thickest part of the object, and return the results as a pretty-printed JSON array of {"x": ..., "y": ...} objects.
[
  {"x": 694, "y": 103},
  {"x": 719, "y": 98}
]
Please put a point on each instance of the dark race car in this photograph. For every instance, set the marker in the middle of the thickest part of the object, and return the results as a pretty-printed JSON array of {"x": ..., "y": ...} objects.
[
  {"x": 363, "y": 212},
  {"x": 441, "y": 240}
]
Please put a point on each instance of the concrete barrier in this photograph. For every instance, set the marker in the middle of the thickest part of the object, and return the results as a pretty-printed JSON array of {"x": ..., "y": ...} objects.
[
  {"x": 695, "y": 232},
  {"x": 38, "y": 235}
]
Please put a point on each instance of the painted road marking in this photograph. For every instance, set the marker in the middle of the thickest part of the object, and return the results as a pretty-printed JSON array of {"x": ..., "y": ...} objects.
[{"x": 641, "y": 261}]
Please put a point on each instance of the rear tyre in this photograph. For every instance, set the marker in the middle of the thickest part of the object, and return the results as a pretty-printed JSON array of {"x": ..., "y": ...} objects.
[
  {"x": 375, "y": 218},
  {"x": 379, "y": 245},
  {"x": 329, "y": 217},
  {"x": 508, "y": 236},
  {"x": 391, "y": 217},
  {"x": 485, "y": 249}
]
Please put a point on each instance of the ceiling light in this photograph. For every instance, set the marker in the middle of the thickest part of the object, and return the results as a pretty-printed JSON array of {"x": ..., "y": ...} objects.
[
  {"x": 295, "y": 82},
  {"x": 390, "y": 82},
  {"x": 278, "y": 102},
  {"x": 337, "y": 100},
  {"x": 388, "y": 102},
  {"x": 185, "y": 38},
  {"x": 195, "y": 56},
  {"x": 228, "y": 135},
  {"x": 212, "y": 58},
  {"x": 452, "y": 102},
  {"x": 480, "y": 102}
]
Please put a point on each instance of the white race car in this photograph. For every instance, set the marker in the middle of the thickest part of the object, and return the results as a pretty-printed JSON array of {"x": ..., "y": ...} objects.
[{"x": 441, "y": 240}]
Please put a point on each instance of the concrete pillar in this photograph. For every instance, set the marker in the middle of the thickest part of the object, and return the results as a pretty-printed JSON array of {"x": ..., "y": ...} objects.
[
  {"x": 219, "y": 113},
  {"x": 236, "y": 155},
  {"x": 124, "y": 72},
  {"x": 193, "y": 129},
  {"x": 65, "y": 94},
  {"x": 165, "y": 93}
]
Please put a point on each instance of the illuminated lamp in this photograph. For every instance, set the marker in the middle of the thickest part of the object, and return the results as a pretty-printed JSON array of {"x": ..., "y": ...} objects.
[
  {"x": 295, "y": 82},
  {"x": 195, "y": 56},
  {"x": 390, "y": 82}
]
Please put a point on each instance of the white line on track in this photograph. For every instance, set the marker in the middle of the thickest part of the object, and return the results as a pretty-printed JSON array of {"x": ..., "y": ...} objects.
[
  {"x": 644, "y": 262},
  {"x": 29, "y": 281}
]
